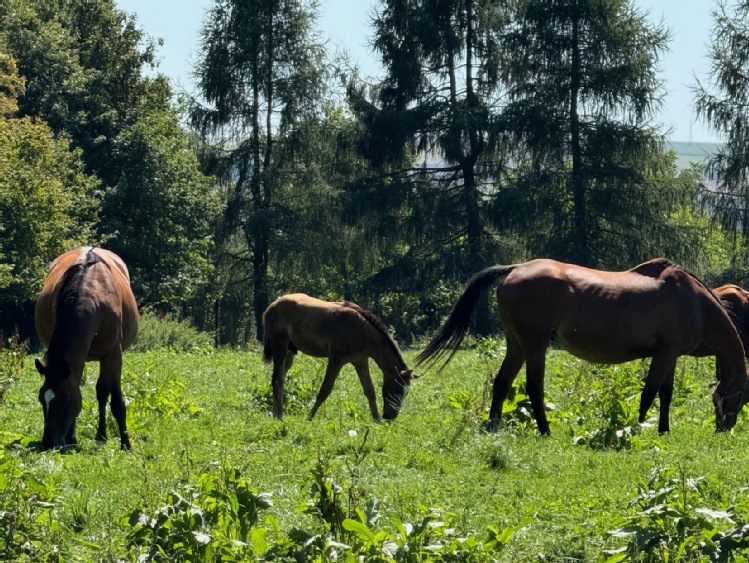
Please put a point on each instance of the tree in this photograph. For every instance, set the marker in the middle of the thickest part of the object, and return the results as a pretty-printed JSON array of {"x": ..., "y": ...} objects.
[
  {"x": 84, "y": 64},
  {"x": 47, "y": 203},
  {"x": 260, "y": 72},
  {"x": 590, "y": 171},
  {"x": 724, "y": 103},
  {"x": 168, "y": 241},
  {"x": 432, "y": 133}
]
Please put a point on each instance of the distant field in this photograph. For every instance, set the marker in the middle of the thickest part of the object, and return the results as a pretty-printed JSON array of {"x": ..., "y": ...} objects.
[
  {"x": 200, "y": 426},
  {"x": 692, "y": 153}
]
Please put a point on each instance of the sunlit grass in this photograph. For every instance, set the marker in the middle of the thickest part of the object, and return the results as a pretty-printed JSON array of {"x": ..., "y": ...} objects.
[{"x": 192, "y": 412}]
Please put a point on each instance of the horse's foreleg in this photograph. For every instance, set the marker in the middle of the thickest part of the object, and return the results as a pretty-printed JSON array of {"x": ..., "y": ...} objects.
[
  {"x": 535, "y": 370},
  {"x": 362, "y": 370},
  {"x": 111, "y": 376},
  {"x": 508, "y": 371},
  {"x": 665, "y": 394},
  {"x": 331, "y": 374},
  {"x": 70, "y": 438},
  {"x": 661, "y": 369}
]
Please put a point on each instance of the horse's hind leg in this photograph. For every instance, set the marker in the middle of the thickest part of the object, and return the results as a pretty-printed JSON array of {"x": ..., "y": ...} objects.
[
  {"x": 283, "y": 357},
  {"x": 661, "y": 374},
  {"x": 102, "y": 394},
  {"x": 535, "y": 370},
  {"x": 331, "y": 374},
  {"x": 362, "y": 370},
  {"x": 508, "y": 371},
  {"x": 110, "y": 378}
]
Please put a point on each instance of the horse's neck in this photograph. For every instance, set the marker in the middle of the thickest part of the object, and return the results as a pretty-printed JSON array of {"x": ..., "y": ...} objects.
[
  {"x": 386, "y": 356},
  {"x": 729, "y": 351},
  {"x": 72, "y": 342}
]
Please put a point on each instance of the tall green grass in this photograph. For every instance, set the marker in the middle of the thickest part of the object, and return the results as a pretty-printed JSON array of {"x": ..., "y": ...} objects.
[{"x": 213, "y": 475}]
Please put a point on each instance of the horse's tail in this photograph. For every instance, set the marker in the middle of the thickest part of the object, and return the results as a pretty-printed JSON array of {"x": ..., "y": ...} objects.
[
  {"x": 267, "y": 352},
  {"x": 453, "y": 330}
]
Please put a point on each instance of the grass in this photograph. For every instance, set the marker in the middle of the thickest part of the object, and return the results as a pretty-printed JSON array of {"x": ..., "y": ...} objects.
[{"x": 208, "y": 412}]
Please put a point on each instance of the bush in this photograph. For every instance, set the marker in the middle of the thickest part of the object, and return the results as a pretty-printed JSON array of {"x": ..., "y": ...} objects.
[{"x": 166, "y": 331}]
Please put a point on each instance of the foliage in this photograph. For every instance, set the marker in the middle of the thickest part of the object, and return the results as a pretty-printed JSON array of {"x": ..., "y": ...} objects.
[
  {"x": 83, "y": 63},
  {"x": 27, "y": 518},
  {"x": 672, "y": 523},
  {"x": 431, "y": 132},
  {"x": 220, "y": 519},
  {"x": 157, "y": 331},
  {"x": 47, "y": 203},
  {"x": 583, "y": 90},
  {"x": 12, "y": 356},
  {"x": 215, "y": 520},
  {"x": 721, "y": 100},
  {"x": 260, "y": 75},
  {"x": 161, "y": 214}
]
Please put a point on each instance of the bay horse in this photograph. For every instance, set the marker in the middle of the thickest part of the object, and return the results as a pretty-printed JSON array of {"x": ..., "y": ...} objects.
[
  {"x": 86, "y": 311},
  {"x": 343, "y": 333},
  {"x": 656, "y": 310}
]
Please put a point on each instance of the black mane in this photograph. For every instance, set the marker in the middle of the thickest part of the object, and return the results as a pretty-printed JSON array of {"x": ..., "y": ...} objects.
[
  {"x": 375, "y": 321},
  {"x": 67, "y": 299}
]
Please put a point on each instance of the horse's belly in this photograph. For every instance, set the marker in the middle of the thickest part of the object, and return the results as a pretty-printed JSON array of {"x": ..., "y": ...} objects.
[{"x": 604, "y": 348}]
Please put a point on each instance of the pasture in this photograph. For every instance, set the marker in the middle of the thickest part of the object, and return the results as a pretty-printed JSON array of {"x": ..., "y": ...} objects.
[{"x": 213, "y": 476}]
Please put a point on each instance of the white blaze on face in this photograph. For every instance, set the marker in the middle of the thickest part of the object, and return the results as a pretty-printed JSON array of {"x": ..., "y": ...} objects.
[{"x": 48, "y": 396}]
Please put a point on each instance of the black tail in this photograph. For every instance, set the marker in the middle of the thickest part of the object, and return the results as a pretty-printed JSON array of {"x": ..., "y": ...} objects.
[
  {"x": 453, "y": 330},
  {"x": 267, "y": 352}
]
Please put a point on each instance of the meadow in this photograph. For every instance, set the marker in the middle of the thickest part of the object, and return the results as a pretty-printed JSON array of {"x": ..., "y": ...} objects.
[{"x": 213, "y": 477}]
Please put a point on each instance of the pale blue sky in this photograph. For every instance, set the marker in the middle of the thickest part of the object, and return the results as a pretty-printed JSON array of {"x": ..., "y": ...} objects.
[{"x": 346, "y": 24}]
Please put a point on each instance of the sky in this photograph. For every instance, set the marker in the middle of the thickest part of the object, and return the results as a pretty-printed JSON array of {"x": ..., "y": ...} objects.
[{"x": 346, "y": 25}]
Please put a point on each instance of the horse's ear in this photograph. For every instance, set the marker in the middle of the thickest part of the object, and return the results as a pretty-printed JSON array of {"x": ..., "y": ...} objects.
[{"x": 40, "y": 366}]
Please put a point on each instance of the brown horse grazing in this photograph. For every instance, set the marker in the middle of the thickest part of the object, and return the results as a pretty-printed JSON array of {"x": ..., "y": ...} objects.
[
  {"x": 85, "y": 311},
  {"x": 655, "y": 310},
  {"x": 344, "y": 333}
]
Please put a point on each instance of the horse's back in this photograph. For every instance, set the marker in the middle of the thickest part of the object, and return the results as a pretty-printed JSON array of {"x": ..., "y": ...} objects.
[
  {"x": 107, "y": 287},
  {"x": 602, "y": 316},
  {"x": 314, "y": 326}
]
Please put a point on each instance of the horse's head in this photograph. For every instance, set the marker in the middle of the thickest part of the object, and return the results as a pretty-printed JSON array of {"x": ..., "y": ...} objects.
[
  {"x": 727, "y": 407},
  {"x": 394, "y": 390},
  {"x": 60, "y": 397}
]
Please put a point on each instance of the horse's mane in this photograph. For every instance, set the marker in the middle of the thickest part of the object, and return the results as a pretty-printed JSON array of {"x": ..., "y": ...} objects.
[
  {"x": 738, "y": 320},
  {"x": 375, "y": 321},
  {"x": 67, "y": 298}
]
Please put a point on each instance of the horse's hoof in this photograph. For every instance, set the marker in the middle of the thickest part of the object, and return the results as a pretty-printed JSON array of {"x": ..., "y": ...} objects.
[{"x": 492, "y": 425}]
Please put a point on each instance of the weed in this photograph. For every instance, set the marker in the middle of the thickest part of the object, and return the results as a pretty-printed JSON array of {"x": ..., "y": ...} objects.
[
  {"x": 672, "y": 523},
  {"x": 27, "y": 517},
  {"x": 12, "y": 355}
]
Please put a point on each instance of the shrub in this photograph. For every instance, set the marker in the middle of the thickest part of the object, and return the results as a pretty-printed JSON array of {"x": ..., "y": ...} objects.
[{"x": 167, "y": 331}]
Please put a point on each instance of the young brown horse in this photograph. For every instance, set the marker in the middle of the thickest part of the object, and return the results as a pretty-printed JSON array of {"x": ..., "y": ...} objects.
[
  {"x": 85, "y": 311},
  {"x": 655, "y": 310},
  {"x": 342, "y": 332}
]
